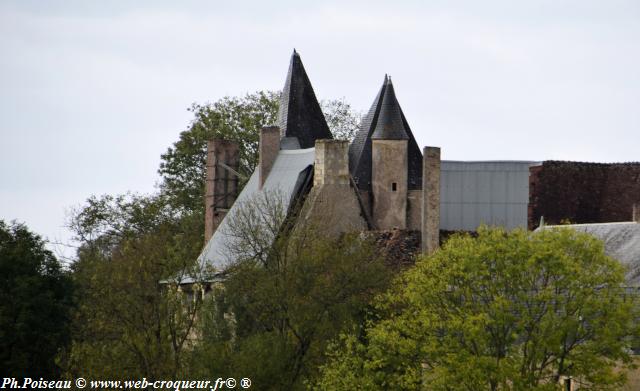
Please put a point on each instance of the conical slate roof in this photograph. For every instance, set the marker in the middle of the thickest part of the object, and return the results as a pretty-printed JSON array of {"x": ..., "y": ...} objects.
[
  {"x": 300, "y": 115},
  {"x": 360, "y": 149},
  {"x": 389, "y": 125}
]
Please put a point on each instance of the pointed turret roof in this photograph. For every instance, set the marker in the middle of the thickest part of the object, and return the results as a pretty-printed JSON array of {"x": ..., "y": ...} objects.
[
  {"x": 377, "y": 118},
  {"x": 300, "y": 115},
  {"x": 389, "y": 125}
]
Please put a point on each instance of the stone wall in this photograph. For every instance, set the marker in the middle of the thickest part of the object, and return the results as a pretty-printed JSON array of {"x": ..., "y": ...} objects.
[
  {"x": 414, "y": 210},
  {"x": 332, "y": 204},
  {"x": 389, "y": 183},
  {"x": 582, "y": 192},
  {"x": 430, "y": 199}
]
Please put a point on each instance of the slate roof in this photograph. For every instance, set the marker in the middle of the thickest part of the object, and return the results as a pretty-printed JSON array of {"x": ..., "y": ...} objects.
[
  {"x": 284, "y": 178},
  {"x": 621, "y": 241},
  {"x": 300, "y": 115},
  {"x": 389, "y": 125},
  {"x": 360, "y": 148}
]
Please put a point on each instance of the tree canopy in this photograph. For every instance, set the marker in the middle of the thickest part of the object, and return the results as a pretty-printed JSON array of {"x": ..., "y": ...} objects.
[
  {"x": 503, "y": 311},
  {"x": 35, "y": 301},
  {"x": 126, "y": 325}
]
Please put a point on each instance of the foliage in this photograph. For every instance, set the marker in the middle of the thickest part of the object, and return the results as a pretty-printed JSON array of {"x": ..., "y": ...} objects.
[
  {"x": 35, "y": 298},
  {"x": 126, "y": 325},
  {"x": 342, "y": 119},
  {"x": 231, "y": 118},
  {"x": 283, "y": 302},
  {"x": 503, "y": 311}
]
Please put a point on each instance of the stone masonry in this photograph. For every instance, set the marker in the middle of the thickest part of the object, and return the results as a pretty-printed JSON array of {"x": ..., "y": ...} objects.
[
  {"x": 221, "y": 185},
  {"x": 431, "y": 200}
]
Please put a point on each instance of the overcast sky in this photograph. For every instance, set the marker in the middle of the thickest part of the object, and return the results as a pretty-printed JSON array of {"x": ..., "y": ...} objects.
[{"x": 92, "y": 92}]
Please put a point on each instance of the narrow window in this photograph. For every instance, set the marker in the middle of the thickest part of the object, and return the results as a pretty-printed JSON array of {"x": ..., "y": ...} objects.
[{"x": 394, "y": 186}]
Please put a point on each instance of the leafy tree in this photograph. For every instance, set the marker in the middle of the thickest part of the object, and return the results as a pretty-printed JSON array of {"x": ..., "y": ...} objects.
[
  {"x": 127, "y": 325},
  {"x": 291, "y": 292},
  {"x": 231, "y": 118},
  {"x": 342, "y": 119},
  {"x": 35, "y": 299},
  {"x": 503, "y": 311}
]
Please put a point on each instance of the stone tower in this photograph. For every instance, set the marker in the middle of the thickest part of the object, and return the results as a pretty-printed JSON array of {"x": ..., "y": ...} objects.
[{"x": 389, "y": 164}]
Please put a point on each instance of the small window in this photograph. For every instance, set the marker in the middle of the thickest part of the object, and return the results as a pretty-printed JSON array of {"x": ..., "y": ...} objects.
[{"x": 394, "y": 186}]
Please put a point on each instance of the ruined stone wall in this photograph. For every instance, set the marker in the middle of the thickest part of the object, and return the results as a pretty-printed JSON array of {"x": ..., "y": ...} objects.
[{"x": 582, "y": 192}]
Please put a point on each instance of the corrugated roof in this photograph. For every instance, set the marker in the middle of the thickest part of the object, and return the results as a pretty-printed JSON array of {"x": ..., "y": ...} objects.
[
  {"x": 300, "y": 114},
  {"x": 360, "y": 148},
  {"x": 621, "y": 241},
  {"x": 281, "y": 180}
]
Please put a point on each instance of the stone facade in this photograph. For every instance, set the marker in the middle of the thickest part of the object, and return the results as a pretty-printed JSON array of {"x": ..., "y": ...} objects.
[{"x": 389, "y": 184}]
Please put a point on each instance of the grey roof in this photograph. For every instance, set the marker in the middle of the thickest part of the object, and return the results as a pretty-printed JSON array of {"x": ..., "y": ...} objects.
[
  {"x": 389, "y": 125},
  {"x": 300, "y": 114},
  {"x": 360, "y": 148},
  {"x": 283, "y": 177},
  {"x": 621, "y": 241}
]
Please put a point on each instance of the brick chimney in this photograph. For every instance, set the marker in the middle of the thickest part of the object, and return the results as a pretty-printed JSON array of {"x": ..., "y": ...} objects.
[
  {"x": 221, "y": 185},
  {"x": 430, "y": 200},
  {"x": 269, "y": 147}
]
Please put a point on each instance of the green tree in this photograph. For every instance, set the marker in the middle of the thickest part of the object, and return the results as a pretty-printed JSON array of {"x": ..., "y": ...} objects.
[
  {"x": 503, "y": 311},
  {"x": 289, "y": 293},
  {"x": 231, "y": 118},
  {"x": 128, "y": 325},
  {"x": 342, "y": 119},
  {"x": 35, "y": 301}
]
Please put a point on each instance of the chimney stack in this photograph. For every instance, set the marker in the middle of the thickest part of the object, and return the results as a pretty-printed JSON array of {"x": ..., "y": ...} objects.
[
  {"x": 331, "y": 166},
  {"x": 269, "y": 147},
  {"x": 430, "y": 200},
  {"x": 636, "y": 212},
  {"x": 221, "y": 185}
]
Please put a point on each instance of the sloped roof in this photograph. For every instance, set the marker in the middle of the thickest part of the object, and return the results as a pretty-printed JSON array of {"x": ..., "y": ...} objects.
[
  {"x": 621, "y": 241},
  {"x": 360, "y": 148},
  {"x": 283, "y": 178},
  {"x": 300, "y": 115},
  {"x": 389, "y": 125}
]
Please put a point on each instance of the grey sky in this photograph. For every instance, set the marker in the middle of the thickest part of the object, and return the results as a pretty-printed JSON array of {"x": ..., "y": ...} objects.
[{"x": 92, "y": 92}]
